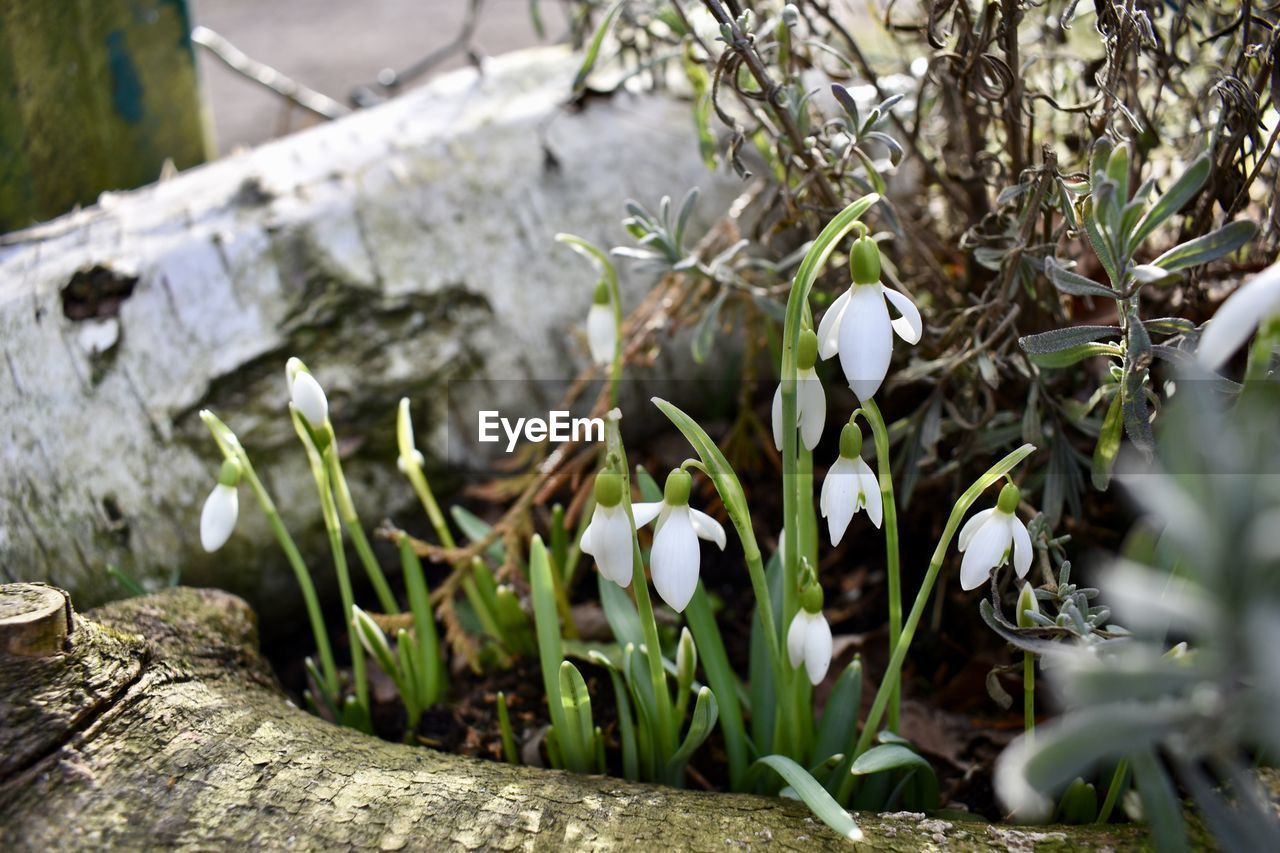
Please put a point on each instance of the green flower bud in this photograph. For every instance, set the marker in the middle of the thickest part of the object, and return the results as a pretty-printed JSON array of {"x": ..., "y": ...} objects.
[
  {"x": 864, "y": 261},
  {"x": 229, "y": 474},
  {"x": 850, "y": 441},
  {"x": 811, "y": 598},
  {"x": 601, "y": 295},
  {"x": 608, "y": 488},
  {"x": 678, "y": 487},
  {"x": 1027, "y": 601},
  {"x": 1009, "y": 497},
  {"x": 807, "y": 351}
]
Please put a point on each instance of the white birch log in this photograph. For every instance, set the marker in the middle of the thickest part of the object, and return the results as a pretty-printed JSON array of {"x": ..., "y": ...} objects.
[{"x": 394, "y": 250}]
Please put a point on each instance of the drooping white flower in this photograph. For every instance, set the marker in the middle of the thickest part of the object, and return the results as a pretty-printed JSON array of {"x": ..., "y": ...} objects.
[
  {"x": 858, "y": 328},
  {"x": 608, "y": 536},
  {"x": 1255, "y": 304},
  {"x": 675, "y": 559},
  {"x": 811, "y": 400},
  {"x": 850, "y": 485},
  {"x": 809, "y": 642},
  {"x": 987, "y": 539},
  {"x": 221, "y": 509},
  {"x": 305, "y": 392},
  {"x": 602, "y": 331}
]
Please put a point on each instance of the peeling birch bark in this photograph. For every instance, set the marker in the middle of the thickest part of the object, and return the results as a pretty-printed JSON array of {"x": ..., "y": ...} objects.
[
  {"x": 163, "y": 727},
  {"x": 395, "y": 251}
]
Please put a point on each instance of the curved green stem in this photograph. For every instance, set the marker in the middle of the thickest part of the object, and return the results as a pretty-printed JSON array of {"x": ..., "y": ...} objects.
[
  {"x": 1029, "y": 694},
  {"x": 351, "y": 520},
  {"x": 232, "y": 449},
  {"x": 1113, "y": 790},
  {"x": 894, "y": 669},
  {"x": 893, "y": 571},
  {"x": 601, "y": 259}
]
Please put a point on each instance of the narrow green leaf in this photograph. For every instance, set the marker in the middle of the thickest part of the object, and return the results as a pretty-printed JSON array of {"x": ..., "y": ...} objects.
[
  {"x": 1108, "y": 446},
  {"x": 626, "y": 727},
  {"x": 428, "y": 659},
  {"x": 577, "y": 710},
  {"x": 476, "y": 529},
  {"x": 1118, "y": 171},
  {"x": 509, "y": 752},
  {"x": 620, "y": 612},
  {"x": 838, "y": 731},
  {"x": 593, "y": 49},
  {"x": 723, "y": 681},
  {"x": 1073, "y": 283},
  {"x": 1058, "y": 340},
  {"x": 821, "y": 803},
  {"x": 1173, "y": 199},
  {"x": 1210, "y": 247},
  {"x": 1073, "y": 355},
  {"x": 1098, "y": 242},
  {"x": 547, "y": 622},
  {"x": 705, "y": 713}
]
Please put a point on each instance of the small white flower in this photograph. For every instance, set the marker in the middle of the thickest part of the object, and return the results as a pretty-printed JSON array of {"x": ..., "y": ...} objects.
[
  {"x": 811, "y": 400},
  {"x": 608, "y": 536},
  {"x": 675, "y": 558},
  {"x": 850, "y": 485},
  {"x": 1255, "y": 303},
  {"x": 809, "y": 641},
  {"x": 989, "y": 536},
  {"x": 857, "y": 326},
  {"x": 307, "y": 395},
  {"x": 602, "y": 333},
  {"x": 218, "y": 518}
]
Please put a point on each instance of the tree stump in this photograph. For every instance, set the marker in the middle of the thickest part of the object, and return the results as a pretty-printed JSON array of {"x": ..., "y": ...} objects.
[{"x": 163, "y": 726}]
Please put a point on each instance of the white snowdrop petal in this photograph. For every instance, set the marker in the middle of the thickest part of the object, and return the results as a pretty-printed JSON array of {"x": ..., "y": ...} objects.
[
  {"x": 796, "y": 636},
  {"x": 309, "y": 399},
  {"x": 707, "y": 528},
  {"x": 615, "y": 552},
  {"x": 1022, "y": 550},
  {"x": 646, "y": 512},
  {"x": 602, "y": 334},
  {"x": 866, "y": 341},
  {"x": 971, "y": 527},
  {"x": 870, "y": 488},
  {"x": 811, "y": 404},
  {"x": 829, "y": 328},
  {"x": 817, "y": 648},
  {"x": 586, "y": 542},
  {"x": 218, "y": 518},
  {"x": 1238, "y": 317},
  {"x": 840, "y": 495},
  {"x": 675, "y": 560},
  {"x": 986, "y": 550},
  {"x": 777, "y": 418},
  {"x": 909, "y": 326}
]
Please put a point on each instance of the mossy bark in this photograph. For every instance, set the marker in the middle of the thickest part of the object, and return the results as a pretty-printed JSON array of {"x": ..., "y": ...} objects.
[{"x": 163, "y": 726}]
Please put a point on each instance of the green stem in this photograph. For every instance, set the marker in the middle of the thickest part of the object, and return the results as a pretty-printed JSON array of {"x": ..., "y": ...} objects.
[
  {"x": 792, "y": 497},
  {"x": 894, "y": 669},
  {"x": 1029, "y": 694},
  {"x": 329, "y": 512},
  {"x": 666, "y": 735},
  {"x": 351, "y": 520},
  {"x": 232, "y": 449},
  {"x": 880, "y": 435},
  {"x": 1113, "y": 790}
]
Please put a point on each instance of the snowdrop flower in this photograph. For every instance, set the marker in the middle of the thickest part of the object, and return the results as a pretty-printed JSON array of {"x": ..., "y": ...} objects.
[
  {"x": 850, "y": 485},
  {"x": 602, "y": 331},
  {"x": 221, "y": 509},
  {"x": 809, "y": 637},
  {"x": 675, "y": 559},
  {"x": 857, "y": 325},
  {"x": 409, "y": 454},
  {"x": 608, "y": 537},
  {"x": 811, "y": 400},
  {"x": 989, "y": 536},
  {"x": 305, "y": 392},
  {"x": 1256, "y": 303}
]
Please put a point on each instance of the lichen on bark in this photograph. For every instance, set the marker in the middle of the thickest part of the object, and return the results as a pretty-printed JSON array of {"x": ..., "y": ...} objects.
[{"x": 163, "y": 726}]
